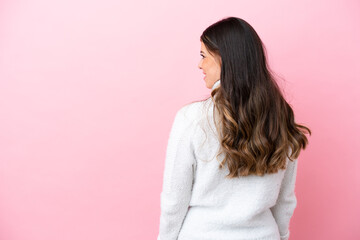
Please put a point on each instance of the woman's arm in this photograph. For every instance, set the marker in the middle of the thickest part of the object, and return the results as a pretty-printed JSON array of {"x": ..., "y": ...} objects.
[
  {"x": 177, "y": 179},
  {"x": 286, "y": 203}
]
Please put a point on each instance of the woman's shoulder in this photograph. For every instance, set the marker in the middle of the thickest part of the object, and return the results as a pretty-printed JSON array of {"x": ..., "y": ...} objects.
[{"x": 195, "y": 110}]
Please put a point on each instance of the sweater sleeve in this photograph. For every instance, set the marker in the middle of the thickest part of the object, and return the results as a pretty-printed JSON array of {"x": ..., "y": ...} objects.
[
  {"x": 177, "y": 178},
  {"x": 286, "y": 202}
]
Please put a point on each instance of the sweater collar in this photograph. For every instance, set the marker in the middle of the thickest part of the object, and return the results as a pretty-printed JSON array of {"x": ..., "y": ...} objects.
[{"x": 216, "y": 84}]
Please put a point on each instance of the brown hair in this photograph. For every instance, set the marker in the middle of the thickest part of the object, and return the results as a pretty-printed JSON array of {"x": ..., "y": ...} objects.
[{"x": 256, "y": 124}]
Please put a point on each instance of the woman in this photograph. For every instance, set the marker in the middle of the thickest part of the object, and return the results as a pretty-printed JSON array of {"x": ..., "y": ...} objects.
[{"x": 232, "y": 177}]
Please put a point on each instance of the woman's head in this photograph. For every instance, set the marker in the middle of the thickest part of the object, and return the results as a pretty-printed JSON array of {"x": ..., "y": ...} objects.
[
  {"x": 241, "y": 52},
  {"x": 257, "y": 125}
]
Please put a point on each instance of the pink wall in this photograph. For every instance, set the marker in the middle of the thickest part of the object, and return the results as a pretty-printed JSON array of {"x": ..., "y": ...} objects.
[{"x": 88, "y": 93}]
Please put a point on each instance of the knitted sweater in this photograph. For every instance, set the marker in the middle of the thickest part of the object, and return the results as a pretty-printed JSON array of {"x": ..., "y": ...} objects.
[{"x": 199, "y": 203}]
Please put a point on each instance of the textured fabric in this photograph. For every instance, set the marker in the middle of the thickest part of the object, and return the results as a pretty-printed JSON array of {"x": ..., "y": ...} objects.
[{"x": 199, "y": 203}]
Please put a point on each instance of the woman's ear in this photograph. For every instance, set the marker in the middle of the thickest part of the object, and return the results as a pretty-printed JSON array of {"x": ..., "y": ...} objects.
[{"x": 218, "y": 59}]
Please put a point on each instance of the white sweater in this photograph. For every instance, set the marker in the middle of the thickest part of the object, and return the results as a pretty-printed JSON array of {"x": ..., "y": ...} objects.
[{"x": 198, "y": 203}]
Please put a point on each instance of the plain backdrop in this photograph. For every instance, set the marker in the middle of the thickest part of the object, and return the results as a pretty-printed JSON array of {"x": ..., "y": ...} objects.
[{"x": 89, "y": 90}]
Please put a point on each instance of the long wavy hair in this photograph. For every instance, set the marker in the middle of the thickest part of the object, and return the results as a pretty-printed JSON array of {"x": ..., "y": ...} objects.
[{"x": 257, "y": 127}]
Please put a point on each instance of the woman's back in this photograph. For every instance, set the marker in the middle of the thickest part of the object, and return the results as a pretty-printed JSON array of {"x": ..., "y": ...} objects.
[{"x": 215, "y": 207}]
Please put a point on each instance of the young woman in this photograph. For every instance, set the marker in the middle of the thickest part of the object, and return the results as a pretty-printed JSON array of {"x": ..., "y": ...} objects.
[{"x": 231, "y": 159}]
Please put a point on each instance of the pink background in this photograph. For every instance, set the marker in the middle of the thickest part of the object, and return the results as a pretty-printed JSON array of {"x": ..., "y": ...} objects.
[{"x": 89, "y": 90}]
